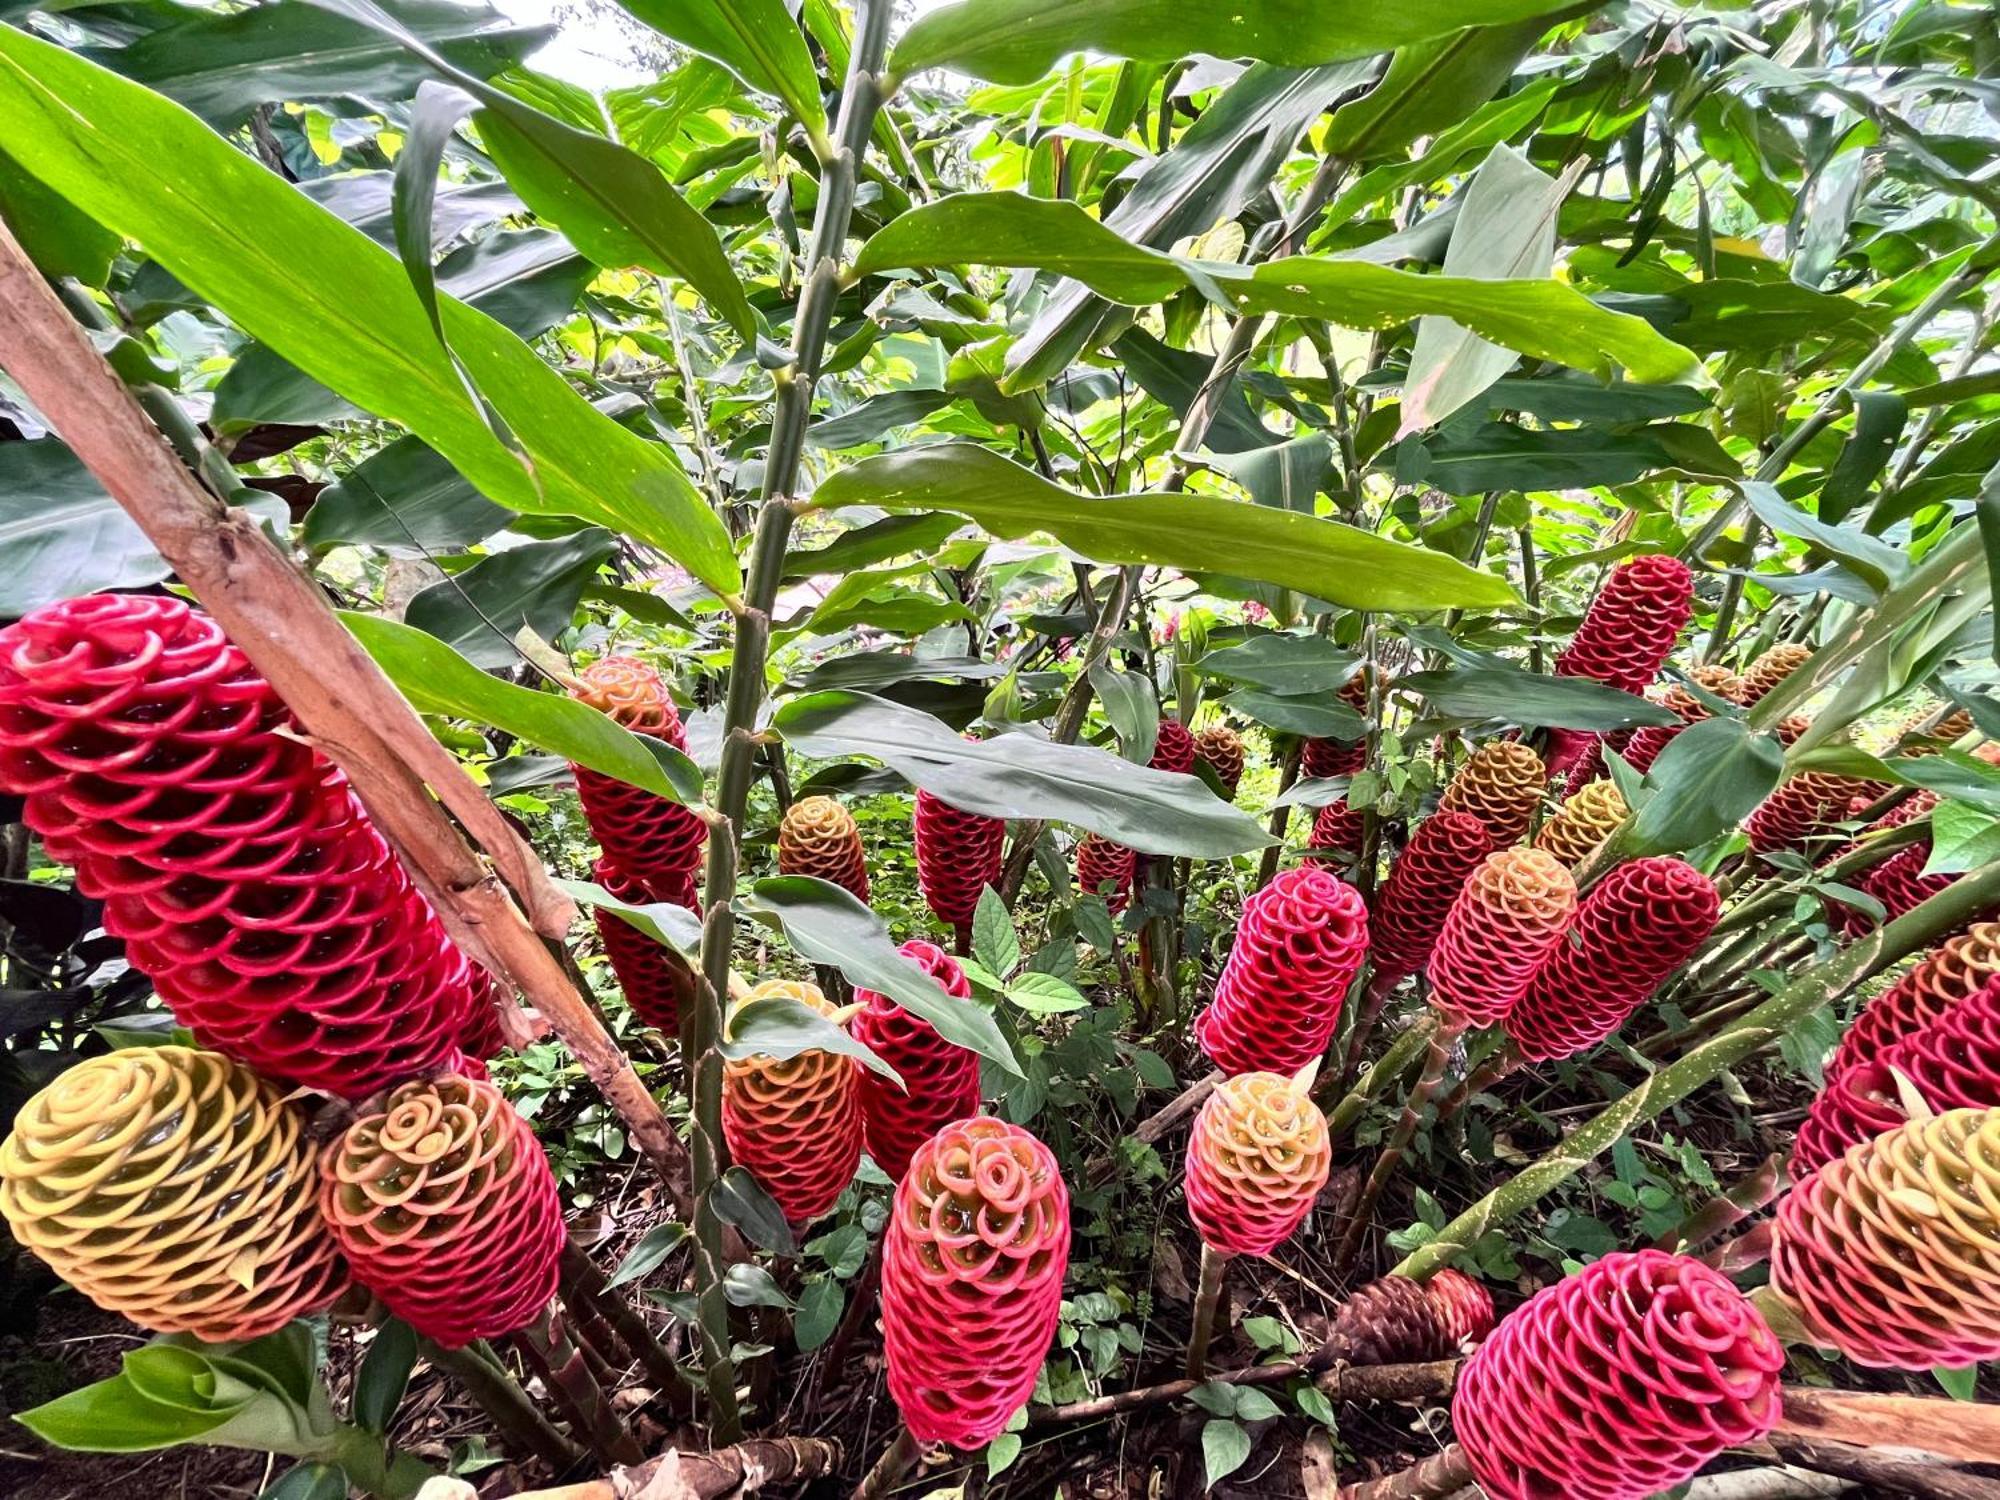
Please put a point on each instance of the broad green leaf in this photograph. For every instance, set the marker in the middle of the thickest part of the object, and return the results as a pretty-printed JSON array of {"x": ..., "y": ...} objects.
[
  {"x": 673, "y": 927},
  {"x": 406, "y": 499},
  {"x": 1023, "y": 776},
  {"x": 1132, "y": 707},
  {"x": 59, "y": 239},
  {"x": 1317, "y": 718},
  {"x": 757, "y": 40},
  {"x": 654, "y": 1246},
  {"x": 480, "y": 611},
  {"x": 1017, "y": 41},
  {"x": 1288, "y": 665},
  {"x": 338, "y": 305},
  {"x": 781, "y": 1027},
  {"x": 223, "y": 65},
  {"x": 1963, "y": 837},
  {"x": 826, "y": 925},
  {"x": 1012, "y": 229},
  {"x": 1224, "y": 1447},
  {"x": 1870, "y": 558},
  {"x": 1471, "y": 459},
  {"x": 820, "y": 1306},
  {"x": 437, "y": 680},
  {"x": 1710, "y": 777},
  {"x": 742, "y": 1200},
  {"x": 877, "y": 542},
  {"x": 994, "y": 942},
  {"x": 747, "y": 1285},
  {"x": 1564, "y": 398},
  {"x": 385, "y": 1371},
  {"x": 1045, "y": 994},
  {"x": 871, "y": 418},
  {"x": 434, "y": 118},
  {"x": 1327, "y": 559},
  {"x": 1506, "y": 228},
  {"x": 1879, "y": 417},
  {"x": 310, "y": 1481},
  {"x": 1532, "y": 699}
]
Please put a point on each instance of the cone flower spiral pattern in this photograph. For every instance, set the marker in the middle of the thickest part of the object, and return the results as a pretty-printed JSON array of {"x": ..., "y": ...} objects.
[
  {"x": 1617, "y": 1383},
  {"x": 794, "y": 1124},
  {"x": 972, "y": 1271},
  {"x": 235, "y": 862},
  {"x": 1256, "y": 1160},
  {"x": 1646, "y": 743},
  {"x": 1891, "y": 1253},
  {"x": 1336, "y": 827},
  {"x": 657, "y": 981},
  {"x": 1585, "y": 822},
  {"x": 1626, "y": 636},
  {"x": 656, "y": 842},
  {"x": 1101, "y": 862},
  {"x": 1297, "y": 948},
  {"x": 1899, "y": 883},
  {"x": 1423, "y": 882},
  {"x": 819, "y": 837},
  {"x": 1464, "y": 1307},
  {"x": 176, "y": 1188},
  {"x": 1805, "y": 807},
  {"x": 1501, "y": 784},
  {"x": 444, "y": 1204},
  {"x": 1222, "y": 749},
  {"x": 1635, "y": 929},
  {"x": 1321, "y": 758},
  {"x": 958, "y": 856},
  {"x": 1174, "y": 749},
  {"x": 941, "y": 1078},
  {"x": 1770, "y": 669},
  {"x": 1508, "y": 918},
  {"x": 1954, "y": 971}
]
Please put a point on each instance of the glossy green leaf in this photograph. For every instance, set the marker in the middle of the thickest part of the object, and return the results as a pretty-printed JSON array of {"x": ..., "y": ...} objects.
[
  {"x": 877, "y": 542},
  {"x": 1288, "y": 665},
  {"x": 652, "y": 1249},
  {"x": 406, "y": 499},
  {"x": 741, "y": 1200},
  {"x": 480, "y": 611},
  {"x": 1317, "y": 718},
  {"x": 1132, "y": 707},
  {"x": 781, "y": 1027},
  {"x": 820, "y": 1306},
  {"x": 1017, "y": 41},
  {"x": 309, "y": 1481},
  {"x": 337, "y": 305},
  {"x": 1224, "y": 1447},
  {"x": 1473, "y": 459},
  {"x": 757, "y": 40},
  {"x": 868, "y": 420},
  {"x": 826, "y": 925},
  {"x": 1869, "y": 558},
  {"x": 1323, "y": 558},
  {"x": 1963, "y": 837},
  {"x": 385, "y": 1371},
  {"x": 437, "y": 680},
  {"x": 1879, "y": 417},
  {"x": 674, "y": 927},
  {"x": 59, "y": 239},
  {"x": 1710, "y": 777},
  {"x": 1532, "y": 699}
]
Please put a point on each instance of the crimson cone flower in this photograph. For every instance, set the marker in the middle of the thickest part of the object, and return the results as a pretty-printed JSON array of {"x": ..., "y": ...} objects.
[
  {"x": 940, "y": 1078},
  {"x": 1634, "y": 930},
  {"x": 1511, "y": 914},
  {"x": 446, "y": 1209},
  {"x": 1336, "y": 827},
  {"x": 1899, "y": 883},
  {"x": 657, "y": 982},
  {"x": 1464, "y": 1307},
  {"x": 1425, "y": 879},
  {"x": 1954, "y": 971},
  {"x": 1804, "y": 807},
  {"x": 656, "y": 842},
  {"x": 958, "y": 856},
  {"x": 1617, "y": 1383},
  {"x": 1626, "y": 636},
  {"x": 1645, "y": 745},
  {"x": 1256, "y": 1160},
  {"x": 1296, "y": 951},
  {"x": 1099, "y": 863},
  {"x": 795, "y": 1122},
  {"x": 972, "y": 1270},
  {"x": 1321, "y": 758},
  {"x": 233, "y": 859},
  {"x": 1174, "y": 749}
]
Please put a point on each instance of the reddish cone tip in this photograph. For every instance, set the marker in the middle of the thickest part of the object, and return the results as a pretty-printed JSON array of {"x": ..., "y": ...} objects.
[
  {"x": 940, "y": 1078},
  {"x": 1297, "y": 947}
]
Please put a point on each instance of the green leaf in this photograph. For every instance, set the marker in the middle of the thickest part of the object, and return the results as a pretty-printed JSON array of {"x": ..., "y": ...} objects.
[
  {"x": 1471, "y": 460},
  {"x": 1320, "y": 719},
  {"x": 826, "y": 925},
  {"x": 434, "y": 117},
  {"x": 740, "y": 1200},
  {"x": 1132, "y": 708},
  {"x": 479, "y": 612},
  {"x": 1960, "y": 1384},
  {"x": 1017, "y": 41},
  {"x": 1042, "y": 994},
  {"x": 673, "y": 927},
  {"x": 1224, "y": 1447},
  {"x": 338, "y": 305},
  {"x": 654, "y": 1246},
  {"x": 59, "y": 239},
  {"x": 310, "y": 1481},
  {"x": 437, "y": 680},
  {"x": 406, "y": 499},
  {"x": 1529, "y": 698},
  {"x": 877, "y": 542},
  {"x": 780, "y": 1027},
  {"x": 1288, "y": 665},
  {"x": 1326, "y": 559},
  {"x": 1710, "y": 777},
  {"x": 820, "y": 1306},
  {"x": 1001, "y": 1453},
  {"x": 994, "y": 941},
  {"x": 1988, "y": 512},
  {"x": 747, "y": 1285},
  {"x": 1878, "y": 422},
  {"x": 1865, "y": 556},
  {"x": 385, "y": 1371},
  {"x": 1962, "y": 838},
  {"x": 1431, "y": 85},
  {"x": 222, "y": 66},
  {"x": 869, "y": 419},
  {"x": 757, "y": 40},
  {"x": 1022, "y": 776},
  {"x": 843, "y": 1250},
  {"x": 1252, "y": 1405}
]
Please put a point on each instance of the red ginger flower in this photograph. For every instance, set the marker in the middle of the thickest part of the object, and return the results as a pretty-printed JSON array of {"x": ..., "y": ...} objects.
[
  {"x": 1626, "y": 636},
  {"x": 819, "y": 837},
  {"x": 446, "y": 1209},
  {"x": 1501, "y": 784},
  {"x": 1297, "y": 948},
  {"x": 1511, "y": 914},
  {"x": 958, "y": 856},
  {"x": 1891, "y": 1253},
  {"x": 1954, "y": 971},
  {"x": 175, "y": 1187},
  {"x": 1423, "y": 882},
  {"x": 794, "y": 1123},
  {"x": 1337, "y": 827},
  {"x": 1899, "y": 883},
  {"x": 657, "y": 981},
  {"x": 1617, "y": 1383},
  {"x": 1174, "y": 749},
  {"x": 1322, "y": 758},
  {"x": 656, "y": 842},
  {"x": 1636, "y": 927},
  {"x": 1805, "y": 807},
  {"x": 972, "y": 1270},
  {"x": 233, "y": 859},
  {"x": 1464, "y": 1307},
  {"x": 1645, "y": 745},
  {"x": 1256, "y": 1160},
  {"x": 940, "y": 1078},
  {"x": 1222, "y": 749},
  {"x": 1770, "y": 669},
  {"x": 1099, "y": 863}
]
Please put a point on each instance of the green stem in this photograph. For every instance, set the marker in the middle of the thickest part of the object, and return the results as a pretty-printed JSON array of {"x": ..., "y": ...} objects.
[
  {"x": 1207, "y": 1296},
  {"x": 1387, "y": 1070},
  {"x": 374, "y": 1467},
  {"x": 500, "y": 1396},
  {"x": 1949, "y": 909},
  {"x": 1436, "y": 1057}
]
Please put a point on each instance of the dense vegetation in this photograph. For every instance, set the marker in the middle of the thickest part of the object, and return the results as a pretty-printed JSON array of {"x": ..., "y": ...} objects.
[{"x": 1365, "y": 630}]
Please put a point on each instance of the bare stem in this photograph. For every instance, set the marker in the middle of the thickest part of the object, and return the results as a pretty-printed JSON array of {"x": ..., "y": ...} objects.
[
  {"x": 500, "y": 1396},
  {"x": 891, "y": 1466},
  {"x": 1206, "y": 1297},
  {"x": 1444, "y": 1474},
  {"x": 1436, "y": 1057}
]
